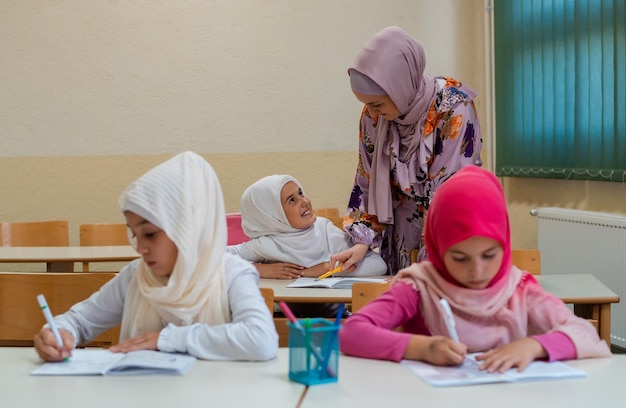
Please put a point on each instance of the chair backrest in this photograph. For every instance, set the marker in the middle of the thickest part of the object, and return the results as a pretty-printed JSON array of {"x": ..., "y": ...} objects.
[
  {"x": 28, "y": 234},
  {"x": 20, "y": 315},
  {"x": 235, "y": 232},
  {"x": 268, "y": 295},
  {"x": 527, "y": 260},
  {"x": 103, "y": 234},
  {"x": 332, "y": 214},
  {"x": 365, "y": 292}
]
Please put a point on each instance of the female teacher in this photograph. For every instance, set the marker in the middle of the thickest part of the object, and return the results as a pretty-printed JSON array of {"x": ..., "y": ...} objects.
[{"x": 416, "y": 130}]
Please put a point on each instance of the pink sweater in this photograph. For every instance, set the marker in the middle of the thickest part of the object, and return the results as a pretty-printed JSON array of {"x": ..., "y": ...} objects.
[{"x": 369, "y": 333}]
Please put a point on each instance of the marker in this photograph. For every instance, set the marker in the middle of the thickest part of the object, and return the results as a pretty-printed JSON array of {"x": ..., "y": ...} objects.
[
  {"x": 449, "y": 320},
  {"x": 287, "y": 311},
  {"x": 48, "y": 315}
]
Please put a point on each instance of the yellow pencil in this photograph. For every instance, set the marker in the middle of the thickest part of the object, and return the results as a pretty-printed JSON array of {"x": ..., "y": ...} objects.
[{"x": 329, "y": 273}]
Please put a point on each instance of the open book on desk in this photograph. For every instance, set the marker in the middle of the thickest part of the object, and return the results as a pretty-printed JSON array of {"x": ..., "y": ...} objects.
[
  {"x": 468, "y": 373},
  {"x": 332, "y": 283},
  {"x": 104, "y": 362}
]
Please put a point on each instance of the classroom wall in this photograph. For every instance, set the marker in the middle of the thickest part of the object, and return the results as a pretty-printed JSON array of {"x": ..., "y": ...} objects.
[{"x": 95, "y": 93}]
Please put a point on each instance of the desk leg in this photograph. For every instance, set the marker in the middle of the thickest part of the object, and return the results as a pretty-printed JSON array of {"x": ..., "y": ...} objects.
[
  {"x": 599, "y": 315},
  {"x": 60, "y": 267},
  {"x": 605, "y": 322}
]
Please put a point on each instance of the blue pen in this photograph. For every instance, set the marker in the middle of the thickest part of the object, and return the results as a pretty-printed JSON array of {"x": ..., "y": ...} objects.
[{"x": 330, "y": 344}]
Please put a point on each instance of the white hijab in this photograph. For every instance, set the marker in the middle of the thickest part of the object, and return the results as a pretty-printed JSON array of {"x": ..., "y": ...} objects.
[
  {"x": 264, "y": 221},
  {"x": 183, "y": 197}
]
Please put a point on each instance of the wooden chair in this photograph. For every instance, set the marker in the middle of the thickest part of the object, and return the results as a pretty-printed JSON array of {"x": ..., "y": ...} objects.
[
  {"x": 365, "y": 292},
  {"x": 102, "y": 235},
  {"x": 332, "y": 214},
  {"x": 527, "y": 260},
  {"x": 20, "y": 315},
  {"x": 268, "y": 295},
  {"x": 38, "y": 234}
]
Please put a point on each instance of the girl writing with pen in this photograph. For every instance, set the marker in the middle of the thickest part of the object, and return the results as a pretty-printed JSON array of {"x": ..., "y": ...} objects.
[
  {"x": 185, "y": 294},
  {"x": 499, "y": 311}
]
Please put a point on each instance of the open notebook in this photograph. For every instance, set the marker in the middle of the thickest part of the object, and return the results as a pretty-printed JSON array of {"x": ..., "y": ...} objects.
[
  {"x": 469, "y": 374},
  {"x": 104, "y": 362},
  {"x": 333, "y": 283}
]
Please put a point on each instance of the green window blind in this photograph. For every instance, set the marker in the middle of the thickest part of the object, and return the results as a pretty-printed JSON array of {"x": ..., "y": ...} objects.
[{"x": 560, "y": 84}]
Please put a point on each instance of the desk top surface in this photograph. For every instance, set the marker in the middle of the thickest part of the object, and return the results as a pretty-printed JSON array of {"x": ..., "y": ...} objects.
[
  {"x": 577, "y": 288},
  {"x": 368, "y": 383},
  {"x": 574, "y": 288},
  {"x": 208, "y": 383},
  {"x": 362, "y": 383},
  {"x": 305, "y": 295},
  {"x": 68, "y": 254}
]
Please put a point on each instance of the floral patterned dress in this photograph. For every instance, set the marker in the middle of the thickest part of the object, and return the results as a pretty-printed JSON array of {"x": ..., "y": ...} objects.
[{"x": 451, "y": 140}]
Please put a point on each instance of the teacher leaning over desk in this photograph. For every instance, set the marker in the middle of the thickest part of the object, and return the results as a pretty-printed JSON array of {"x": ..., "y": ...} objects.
[{"x": 415, "y": 131}]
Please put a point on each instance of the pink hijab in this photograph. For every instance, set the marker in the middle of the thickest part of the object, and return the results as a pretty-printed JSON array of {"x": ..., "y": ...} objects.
[
  {"x": 395, "y": 61},
  {"x": 470, "y": 203}
]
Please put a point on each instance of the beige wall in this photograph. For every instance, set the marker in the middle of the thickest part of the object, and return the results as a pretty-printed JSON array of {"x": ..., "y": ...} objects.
[{"x": 95, "y": 93}]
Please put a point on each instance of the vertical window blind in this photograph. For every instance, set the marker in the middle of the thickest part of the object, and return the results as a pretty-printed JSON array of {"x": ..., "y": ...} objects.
[{"x": 560, "y": 85}]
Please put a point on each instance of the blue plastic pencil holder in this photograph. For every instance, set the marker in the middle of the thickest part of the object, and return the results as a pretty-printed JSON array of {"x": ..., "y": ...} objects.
[{"x": 314, "y": 351}]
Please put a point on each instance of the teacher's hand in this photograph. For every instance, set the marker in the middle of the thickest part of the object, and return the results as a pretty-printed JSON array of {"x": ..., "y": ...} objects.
[{"x": 350, "y": 258}]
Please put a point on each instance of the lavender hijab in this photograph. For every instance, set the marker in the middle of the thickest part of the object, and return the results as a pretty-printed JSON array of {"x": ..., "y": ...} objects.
[{"x": 395, "y": 62}]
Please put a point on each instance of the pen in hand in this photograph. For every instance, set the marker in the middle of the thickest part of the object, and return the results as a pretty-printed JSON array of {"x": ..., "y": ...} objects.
[
  {"x": 48, "y": 315},
  {"x": 337, "y": 269},
  {"x": 449, "y": 320}
]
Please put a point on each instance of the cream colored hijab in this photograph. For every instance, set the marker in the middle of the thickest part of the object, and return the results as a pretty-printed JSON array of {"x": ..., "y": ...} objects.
[{"x": 183, "y": 197}]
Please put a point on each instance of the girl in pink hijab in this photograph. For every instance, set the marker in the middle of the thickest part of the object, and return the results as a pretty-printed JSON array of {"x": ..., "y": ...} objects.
[
  {"x": 498, "y": 309},
  {"x": 415, "y": 131}
]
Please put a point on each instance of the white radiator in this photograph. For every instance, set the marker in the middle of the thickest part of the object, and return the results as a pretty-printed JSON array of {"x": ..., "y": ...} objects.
[{"x": 577, "y": 241}]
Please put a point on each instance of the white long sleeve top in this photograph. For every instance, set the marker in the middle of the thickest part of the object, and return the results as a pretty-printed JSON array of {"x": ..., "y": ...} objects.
[{"x": 250, "y": 335}]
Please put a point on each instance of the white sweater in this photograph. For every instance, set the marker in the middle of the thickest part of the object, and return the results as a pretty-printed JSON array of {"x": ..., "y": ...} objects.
[{"x": 251, "y": 334}]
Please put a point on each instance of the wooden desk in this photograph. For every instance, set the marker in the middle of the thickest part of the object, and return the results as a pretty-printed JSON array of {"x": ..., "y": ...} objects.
[
  {"x": 369, "y": 383},
  {"x": 362, "y": 383},
  {"x": 305, "y": 295},
  {"x": 53, "y": 256},
  {"x": 591, "y": 299},
  {"x": 209, "y": 383}
]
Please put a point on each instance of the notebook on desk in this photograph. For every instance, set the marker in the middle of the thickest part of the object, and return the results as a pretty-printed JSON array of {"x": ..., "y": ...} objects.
[
  {"x": 468, "y": 373},
  {"x": 104, "y": 362},
  {"x": 332, "y": 283}
]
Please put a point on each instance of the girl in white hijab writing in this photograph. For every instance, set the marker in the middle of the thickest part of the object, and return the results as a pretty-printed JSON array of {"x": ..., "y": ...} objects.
[
  {"x": 287, "y": 239},
  {"x": 185, "y": 294}
]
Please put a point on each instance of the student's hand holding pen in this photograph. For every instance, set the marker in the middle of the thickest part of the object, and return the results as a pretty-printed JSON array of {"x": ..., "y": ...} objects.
[
  {"x": 350, "y": 258},
  {"x": 437, "y": 350},
  {"x": 48, "y": 347}
]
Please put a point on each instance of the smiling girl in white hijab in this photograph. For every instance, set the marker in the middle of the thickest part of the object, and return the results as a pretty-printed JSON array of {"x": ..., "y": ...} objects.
[
  {"x": 287, "y": 239},
  {"x": 185, "y": 294}
]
